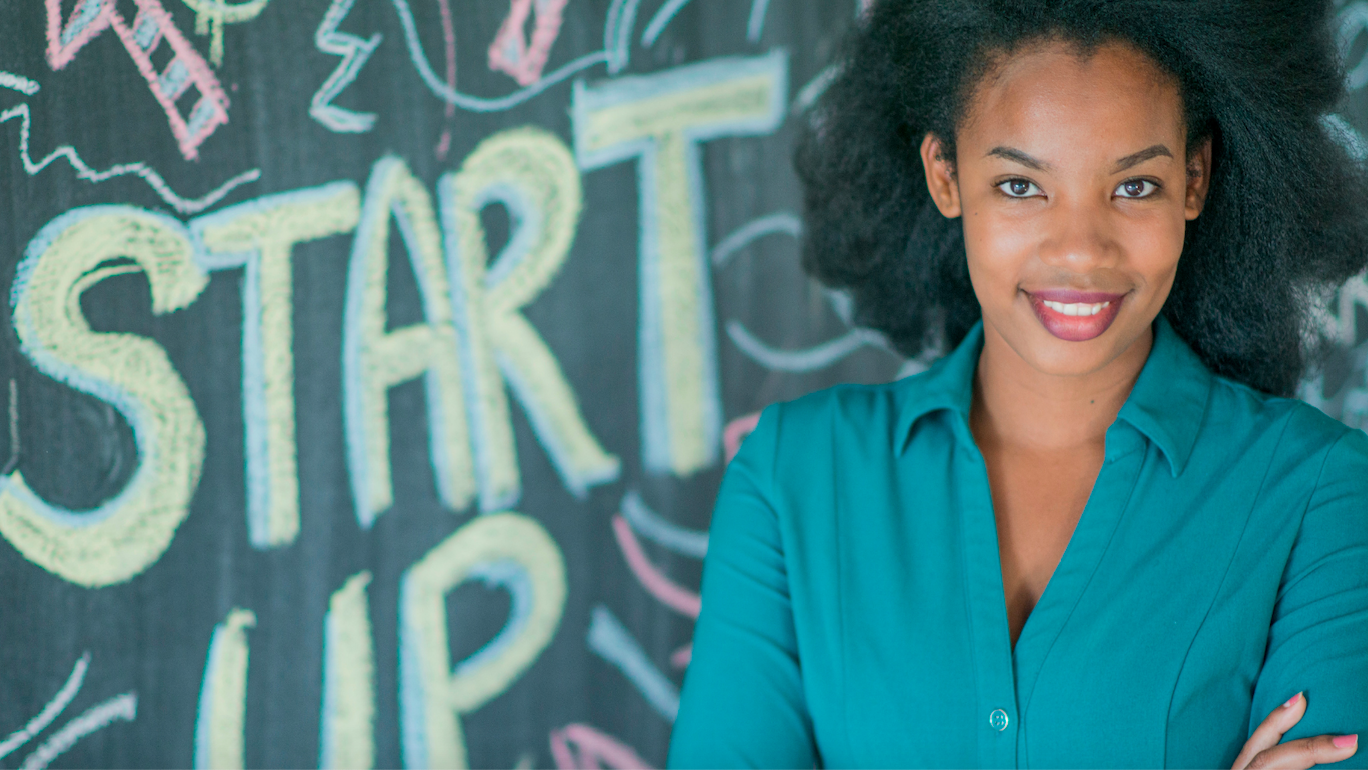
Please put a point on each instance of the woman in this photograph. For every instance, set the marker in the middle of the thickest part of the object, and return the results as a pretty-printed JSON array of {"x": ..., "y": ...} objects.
[{"x": 1096, "y": 533}]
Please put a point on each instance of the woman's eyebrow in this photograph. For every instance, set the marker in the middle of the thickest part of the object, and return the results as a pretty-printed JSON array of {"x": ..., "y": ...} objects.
[
  {"x": 1157, "y": 151},
  {"x": 1013, "y": 154}
]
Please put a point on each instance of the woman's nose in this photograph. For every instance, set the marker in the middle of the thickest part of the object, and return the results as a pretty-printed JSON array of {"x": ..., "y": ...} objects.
[{"x": 1078, "y": 237}]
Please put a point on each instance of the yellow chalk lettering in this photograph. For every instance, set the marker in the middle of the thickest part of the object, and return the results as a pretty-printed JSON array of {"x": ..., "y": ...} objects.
[
  {"x": 532, "y": 173},
  {"x": 260, "y": 236},
  {"x": 223, "y": 696},
  {"x": 661, "y": 119},
  {"x": 374, "y": 360},
  {"x": 128, "y": 533},
  {"x": 505, "y": 549},
  {"x": 348, "y": 714}
]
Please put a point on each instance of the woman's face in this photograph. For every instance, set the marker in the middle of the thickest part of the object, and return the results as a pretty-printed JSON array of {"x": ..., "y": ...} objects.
[{"x": 1073, "y": 183}]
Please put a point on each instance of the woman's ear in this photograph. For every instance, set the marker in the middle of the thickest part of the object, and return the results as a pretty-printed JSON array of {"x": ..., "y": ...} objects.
[
  {"x": 1198, "y": 180},
  {"x": 940, "y": 177}
]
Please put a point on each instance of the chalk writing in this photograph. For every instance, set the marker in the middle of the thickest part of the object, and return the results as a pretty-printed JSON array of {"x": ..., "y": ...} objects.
[
  {"x": 51, "y": 711},
  {"x": 615, "y": 644},
  {"x": 1353, "y": 21},
  {"x": 354, "y": 52},
  {"x": 348, "y": 714},
  {"x": 148, "y": 30},
  {"x": 124, "y": 535},
  {"x": 533, "y": 174},
  {"x": 258, "y": 237},
  {"x": 513, "y": 53},
  {"x": 373, "y": 360},
  {"x": 660, "y": 20},
  {"x": 142, "y": 170},
  {"x": 661, "y": 119},
  {"x": 501, "y": 549},
  {"x": 668, "y": 592},
  {"x": 19, "y": 83},
  {"x": 223, "y": 696},
  {"x": 121, "y": 708},
  {"x": 755, "y": 24}
]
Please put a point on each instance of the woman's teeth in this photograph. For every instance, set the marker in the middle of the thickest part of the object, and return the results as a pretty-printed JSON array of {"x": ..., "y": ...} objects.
[{"x": 1076, "y": 308}]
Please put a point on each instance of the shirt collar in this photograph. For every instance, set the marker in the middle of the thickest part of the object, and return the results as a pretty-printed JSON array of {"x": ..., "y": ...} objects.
[{"x": 1166, "y": 405}]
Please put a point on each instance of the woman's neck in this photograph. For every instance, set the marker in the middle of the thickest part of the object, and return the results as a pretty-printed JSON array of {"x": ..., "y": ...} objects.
[{"x": 1016, "y": 405}]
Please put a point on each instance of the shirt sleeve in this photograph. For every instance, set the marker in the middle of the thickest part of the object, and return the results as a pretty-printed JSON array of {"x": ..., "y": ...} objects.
[
  {"x": 1318, "y": 640},
  {"x": 742, "y": 704}
]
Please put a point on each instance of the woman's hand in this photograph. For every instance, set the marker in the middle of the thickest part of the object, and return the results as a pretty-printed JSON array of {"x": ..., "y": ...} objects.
[{"x": 1262, "y": 750}]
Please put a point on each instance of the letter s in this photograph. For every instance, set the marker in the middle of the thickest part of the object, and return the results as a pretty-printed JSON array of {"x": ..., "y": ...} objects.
[{"x": 128, "y": 533}]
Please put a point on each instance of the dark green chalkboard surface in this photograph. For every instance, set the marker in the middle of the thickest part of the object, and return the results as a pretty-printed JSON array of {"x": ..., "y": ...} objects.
[{"x": 369, "y": 366}]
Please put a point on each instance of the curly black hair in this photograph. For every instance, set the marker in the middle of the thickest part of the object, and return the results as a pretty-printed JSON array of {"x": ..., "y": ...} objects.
[{"x": 1285, "y": 218}]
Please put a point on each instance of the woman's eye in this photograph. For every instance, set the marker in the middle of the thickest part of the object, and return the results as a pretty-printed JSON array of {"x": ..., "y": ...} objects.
[
  {"x": 1019, "y": 188},
  {"x": 1136, "y": 188}
]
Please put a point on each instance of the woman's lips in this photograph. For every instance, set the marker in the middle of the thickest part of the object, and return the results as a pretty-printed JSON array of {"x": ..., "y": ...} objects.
[{"x": 1075, "y": 316}]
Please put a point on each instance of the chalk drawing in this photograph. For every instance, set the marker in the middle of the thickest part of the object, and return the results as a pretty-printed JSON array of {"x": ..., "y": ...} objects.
[
  {"x": 813, "y": 90},
  {"x": 355, "y": 52},
  {"x": 50, "y": 712},
  {"x": 533, "y": 174},
  {"x": 502, "y": 549},
  {"x": 142, "y": 170},
  {"x": 448, "y": 48},
  {"x": 657, "y": 529},
  {"x": 1353, "y": 22},
  {"x": 223, "y": 695},
  {"x": 119, "y": 708},
  {"x": 348, "y": 714},
  {"x": 615, "y": 644},
  {"x": 1343, "y": 132},
  {"x": 783, "y": 222},
  {"x": 513, "y": 53},
  {"x": 755, "y": 25},
  {"x": 661, "y": 119},
  {"x": 374, "y": 360},
  {"x": 149, "y": 29},
  {"x": 258, "y": 237},
  {"x": 736, "y": 432},
  {"x": 617, "y": 32},
  {"x": 669, "y": 593},
  {"x": 126, "y": 534},
  {"x": 581, "y": 747},
  {"x": 660, "y": 20},
  {"x": 475, "y": 103},
  {"x": 805, "y": 360},
  {"x": 19, "y": 83},
  {"x": 681, "y": 657},
  {"x": 211, "y": 15}
]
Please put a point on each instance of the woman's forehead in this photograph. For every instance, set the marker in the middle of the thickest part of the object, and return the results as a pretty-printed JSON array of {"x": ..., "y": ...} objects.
[{"x": 1058, "y": 95}]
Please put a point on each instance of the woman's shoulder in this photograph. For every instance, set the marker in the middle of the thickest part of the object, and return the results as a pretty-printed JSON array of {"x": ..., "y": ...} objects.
[{"x": 1301, "y": 430}]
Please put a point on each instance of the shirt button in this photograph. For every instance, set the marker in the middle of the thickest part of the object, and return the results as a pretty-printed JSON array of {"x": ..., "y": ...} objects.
[{"x": 998, "y": 720}]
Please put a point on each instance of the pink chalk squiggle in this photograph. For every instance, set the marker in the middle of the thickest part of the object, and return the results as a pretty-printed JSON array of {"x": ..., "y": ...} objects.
[
  {"x": 671, "y": 594},
  {"x": 581, "y": 747},
  {"x": 511, "y": 53}
]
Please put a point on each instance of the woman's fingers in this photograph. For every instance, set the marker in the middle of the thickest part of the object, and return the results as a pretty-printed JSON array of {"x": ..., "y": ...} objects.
[
  {"x": 1263, "y": 752},
  {"x": 1306, "y": 752},
  {"x": 1271, "y": 730}
]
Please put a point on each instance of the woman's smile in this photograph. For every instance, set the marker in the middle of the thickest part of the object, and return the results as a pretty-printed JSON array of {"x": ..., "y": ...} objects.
[{"x": 1074, "y": 316}]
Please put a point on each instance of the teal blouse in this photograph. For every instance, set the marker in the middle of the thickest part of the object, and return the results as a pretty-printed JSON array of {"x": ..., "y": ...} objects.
[{"x": 853, "y": 610}]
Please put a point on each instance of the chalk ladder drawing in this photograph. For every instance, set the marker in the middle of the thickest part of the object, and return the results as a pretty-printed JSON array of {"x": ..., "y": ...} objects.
[
  {"x": 121, "y": 707},
  {"x": 150, "y": 28},
  {"x": 147, "y": 173}
]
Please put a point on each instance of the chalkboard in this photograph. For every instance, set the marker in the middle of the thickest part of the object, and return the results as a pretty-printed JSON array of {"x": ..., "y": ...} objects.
[{"x": 370, "y": 366}]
